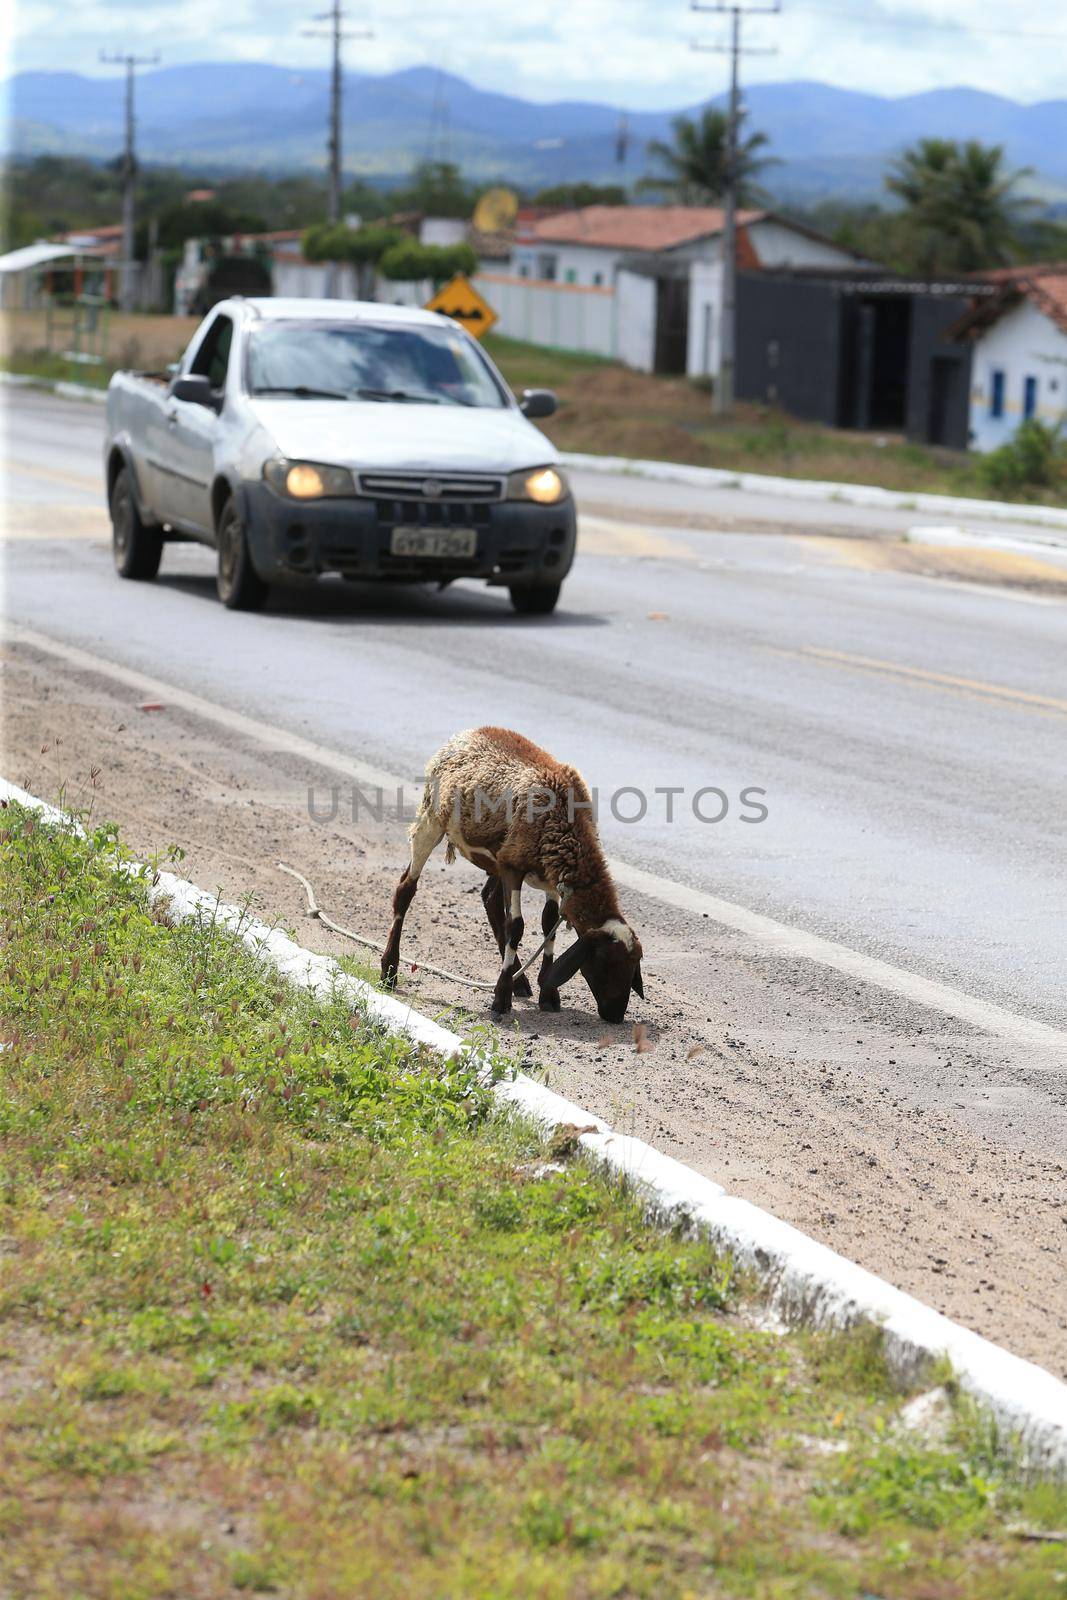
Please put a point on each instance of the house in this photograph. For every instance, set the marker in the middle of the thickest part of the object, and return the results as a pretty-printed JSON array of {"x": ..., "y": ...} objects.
[
  {"x": 35, "y": 274},
  {"x": 861, "y": 348},
  {"x": 640, "y": 283},
  {"x": 1018, "y": 343}
]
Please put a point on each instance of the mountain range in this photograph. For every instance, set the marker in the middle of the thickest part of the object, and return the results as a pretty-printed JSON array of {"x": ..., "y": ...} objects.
[{"x": 829, "y": 142}]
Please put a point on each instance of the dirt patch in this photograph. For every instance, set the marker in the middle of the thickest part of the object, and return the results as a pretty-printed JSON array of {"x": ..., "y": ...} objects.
[
  {"x": 130, "y": 340},
  {"x": 1009, "y": 569},
  {"x": 879, "y": 1131}
]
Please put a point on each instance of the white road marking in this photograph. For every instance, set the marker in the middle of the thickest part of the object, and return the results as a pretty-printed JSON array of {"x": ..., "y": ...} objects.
[
  {"x": 779, "y": 937},
  {"x": 796, "y": 943}
]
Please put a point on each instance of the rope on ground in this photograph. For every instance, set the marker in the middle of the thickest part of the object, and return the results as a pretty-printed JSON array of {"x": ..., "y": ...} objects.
[{"x": 319, "y": 915}]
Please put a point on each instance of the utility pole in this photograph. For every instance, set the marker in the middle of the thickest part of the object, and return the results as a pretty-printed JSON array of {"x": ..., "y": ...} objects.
[
  {"x": 129, "y": 174},
  {"x": 723, "y": 398},
  {"x": 336, "y": 33}
]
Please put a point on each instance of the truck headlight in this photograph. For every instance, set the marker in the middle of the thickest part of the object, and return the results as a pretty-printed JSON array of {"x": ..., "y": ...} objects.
[
  {"x": 306, "y": 480},
  {"x": 546, "y": 486}
]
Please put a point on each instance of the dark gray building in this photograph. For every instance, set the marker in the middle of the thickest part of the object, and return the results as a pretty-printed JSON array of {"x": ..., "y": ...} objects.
[{"x": 857, "y": 349}]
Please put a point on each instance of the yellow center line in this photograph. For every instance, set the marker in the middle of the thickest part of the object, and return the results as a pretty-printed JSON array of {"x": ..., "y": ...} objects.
[{"x": 922, "y": 675}]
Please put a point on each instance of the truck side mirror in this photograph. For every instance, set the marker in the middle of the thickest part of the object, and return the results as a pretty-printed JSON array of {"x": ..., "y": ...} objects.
[
  {"x": 538, "y": 403},
  {"x": 196, "y": 389}
]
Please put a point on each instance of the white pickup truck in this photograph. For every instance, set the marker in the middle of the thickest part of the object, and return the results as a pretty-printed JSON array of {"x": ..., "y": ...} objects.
[{"x": 299, "y": 437}]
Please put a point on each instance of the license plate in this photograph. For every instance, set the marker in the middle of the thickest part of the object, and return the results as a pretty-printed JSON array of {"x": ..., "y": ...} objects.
[{"x": 439, "y": 542}]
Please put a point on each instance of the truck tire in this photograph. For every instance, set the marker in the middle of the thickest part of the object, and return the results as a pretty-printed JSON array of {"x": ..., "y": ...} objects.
[
  {"x": 239, "y": 585},
  {"x": 137, "y": 547},
  {"x": 535, "y": 600}
]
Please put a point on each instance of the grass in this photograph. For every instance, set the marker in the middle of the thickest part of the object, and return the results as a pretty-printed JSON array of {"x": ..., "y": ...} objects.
[{"x": 287, "y": 1307}]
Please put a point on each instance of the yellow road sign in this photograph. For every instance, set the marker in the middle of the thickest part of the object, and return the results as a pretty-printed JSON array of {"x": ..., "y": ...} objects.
[{"x": 460, "y": 299}]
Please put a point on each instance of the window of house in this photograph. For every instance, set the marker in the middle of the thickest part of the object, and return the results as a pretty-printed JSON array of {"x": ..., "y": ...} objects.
[
  {"x": 571, "y": 275},
  {"x": 996, "y": 393},
  {"x": 524, "y": 269},
  {"x": 598, "y": 279},
  {"x": 1029, "y": 396},
  {"x": 546, "y": 268}
]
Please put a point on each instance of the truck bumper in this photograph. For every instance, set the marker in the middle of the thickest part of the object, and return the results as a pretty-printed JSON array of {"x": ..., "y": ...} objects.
[{"x": 518, "y": 543}]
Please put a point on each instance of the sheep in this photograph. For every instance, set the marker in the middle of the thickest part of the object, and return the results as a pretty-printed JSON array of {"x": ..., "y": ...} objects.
[{"x": 509, "y": 807}]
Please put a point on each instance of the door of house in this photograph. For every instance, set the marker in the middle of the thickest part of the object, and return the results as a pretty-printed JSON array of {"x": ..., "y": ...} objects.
[
  {"x": 672, "y": 325},
  {"x": 944, "y": 379}
]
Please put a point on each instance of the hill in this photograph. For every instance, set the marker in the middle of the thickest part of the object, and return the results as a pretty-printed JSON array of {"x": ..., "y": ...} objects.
[{"x": 830, "y": 142}]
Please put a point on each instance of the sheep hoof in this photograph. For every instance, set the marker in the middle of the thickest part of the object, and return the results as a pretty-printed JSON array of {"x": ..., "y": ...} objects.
[
  {"x": 521, "y": 987},
  {"x": 548, "y": 1000}
]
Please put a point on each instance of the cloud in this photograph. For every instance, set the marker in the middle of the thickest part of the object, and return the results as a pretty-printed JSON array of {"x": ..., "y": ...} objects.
[{"x": 627, "y": 52}]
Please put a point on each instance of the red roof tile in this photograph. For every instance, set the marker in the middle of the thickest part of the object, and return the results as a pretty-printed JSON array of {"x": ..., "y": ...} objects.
[
  {"x": 1044, "y": 285},
  {"x": 632, "y": 227}
]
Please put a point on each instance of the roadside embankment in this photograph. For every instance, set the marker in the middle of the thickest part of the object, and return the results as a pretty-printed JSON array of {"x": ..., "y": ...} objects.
[{"x": 297, "y": 1283}]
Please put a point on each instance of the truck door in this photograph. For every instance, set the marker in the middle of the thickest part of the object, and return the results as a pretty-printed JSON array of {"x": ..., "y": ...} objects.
[{"x": 189, "y": 451}]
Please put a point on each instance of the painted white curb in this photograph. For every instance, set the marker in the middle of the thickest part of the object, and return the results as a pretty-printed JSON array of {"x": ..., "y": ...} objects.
[
  {"x": 855, "y": 494},
  {"x": 1051, "y": 549},
  {"x": 807, "y": 1282}
]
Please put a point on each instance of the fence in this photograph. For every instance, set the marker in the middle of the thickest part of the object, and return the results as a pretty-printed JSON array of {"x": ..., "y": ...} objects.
[{"x": 563, "y": 316}]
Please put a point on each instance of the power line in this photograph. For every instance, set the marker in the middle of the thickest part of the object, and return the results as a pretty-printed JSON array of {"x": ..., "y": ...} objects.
[
  {"x": 723, "y": 396},
  {"x": 129, "y": 172}
]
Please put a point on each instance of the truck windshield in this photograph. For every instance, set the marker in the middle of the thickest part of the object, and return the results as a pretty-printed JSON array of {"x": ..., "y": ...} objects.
[{"x": 365, "y": 361}]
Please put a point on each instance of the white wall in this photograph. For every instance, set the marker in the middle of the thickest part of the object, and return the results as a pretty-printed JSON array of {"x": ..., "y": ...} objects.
[
  {"x": 442, "y": 230},
  {"x": 705, "y": 317},
  {"x": 587, "y": 263},
  {"x": 1023, "y": 343},
  {"x": 310, "y": 280},
  {"x": 636, "y": 320},
  {"x": 777, "y": 245},
  {"x": 400, "y": 292},
  {"x": 558, "y": 315}
]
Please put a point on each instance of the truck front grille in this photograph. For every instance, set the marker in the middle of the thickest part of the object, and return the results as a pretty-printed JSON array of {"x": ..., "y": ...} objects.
[{"x": 431, "y": 488}]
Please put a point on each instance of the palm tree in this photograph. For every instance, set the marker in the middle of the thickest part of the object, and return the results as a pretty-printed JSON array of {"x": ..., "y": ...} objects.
[
  {"x": 960, "y": 204},
  {"x": 696, "y": 162}
]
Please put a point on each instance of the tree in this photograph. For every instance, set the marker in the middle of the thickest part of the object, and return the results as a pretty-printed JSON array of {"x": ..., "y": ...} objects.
[
  {"x": 210, "y": 218},
  {"x": 962, "y": 211},
  {"x": 333, "y": 241},
  {"x": 438, "y": 189},
  {"x": 411, "y": 262},
  {"x": 573, "y": 196},
  {"x": 696, "y": 163}
]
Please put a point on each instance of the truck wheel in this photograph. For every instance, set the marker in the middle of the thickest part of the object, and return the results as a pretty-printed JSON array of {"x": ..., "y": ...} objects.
[
  {"x": 137, "y": 548},
  {"x": 535, "y": 600},
  {"x": 239, "y": 584}
]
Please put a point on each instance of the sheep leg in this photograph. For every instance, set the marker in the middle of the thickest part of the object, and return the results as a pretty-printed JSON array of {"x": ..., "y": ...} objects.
[
  {"x": 511, "y": 885},
  {"x": 493, "y": 900},
  {"x": 548, "y": 999},
  {"x": 426, "y": 835}
]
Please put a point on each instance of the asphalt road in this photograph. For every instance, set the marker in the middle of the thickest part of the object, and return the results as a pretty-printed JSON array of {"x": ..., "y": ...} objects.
[
  {"x": 909, "y": 738},
  {"x": 908, "y": 734}
]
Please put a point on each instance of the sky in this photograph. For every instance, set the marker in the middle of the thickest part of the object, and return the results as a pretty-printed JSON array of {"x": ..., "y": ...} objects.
[{"x": 634, "y": 53}]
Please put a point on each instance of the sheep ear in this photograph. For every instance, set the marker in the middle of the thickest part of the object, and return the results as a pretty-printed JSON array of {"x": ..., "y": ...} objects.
[
  {"x": 636, "y": 984},
  {"x": 566, "y": 965}
]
